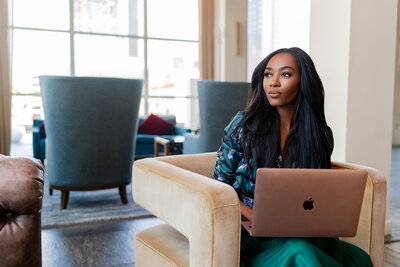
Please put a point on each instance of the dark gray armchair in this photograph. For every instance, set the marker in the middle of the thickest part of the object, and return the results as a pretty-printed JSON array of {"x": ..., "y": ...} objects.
[
  {"x": 218, "y": 103},
  {"x": 91, "y": 126}
]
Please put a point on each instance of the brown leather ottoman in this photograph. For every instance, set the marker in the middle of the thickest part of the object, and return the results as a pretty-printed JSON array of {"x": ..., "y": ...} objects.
[{"x": 21, "y": 193}]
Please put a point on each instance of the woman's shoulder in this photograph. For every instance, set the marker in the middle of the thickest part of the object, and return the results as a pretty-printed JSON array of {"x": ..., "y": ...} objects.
[
  {"x": 236, "y": 120},
  {"x": 235, "y": 123}
]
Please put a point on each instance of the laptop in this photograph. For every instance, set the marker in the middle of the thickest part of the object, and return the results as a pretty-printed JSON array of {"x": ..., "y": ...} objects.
[{"x": 306, "y": 202}]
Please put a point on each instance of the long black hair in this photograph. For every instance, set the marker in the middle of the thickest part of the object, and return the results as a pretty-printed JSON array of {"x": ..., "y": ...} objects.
[{"x": 309, "y": 143}]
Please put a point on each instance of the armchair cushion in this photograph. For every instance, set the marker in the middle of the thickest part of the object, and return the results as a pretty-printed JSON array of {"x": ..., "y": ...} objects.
[
  {"x": 155, "y": 125},
  {"x": 157, "y": 242}
]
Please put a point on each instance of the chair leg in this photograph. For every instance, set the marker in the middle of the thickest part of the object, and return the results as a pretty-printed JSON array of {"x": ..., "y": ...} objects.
[
  {"x": 64, "y": 199},
  {"x": 122, "y": 193},
  {"x": 50, "y": 191}
]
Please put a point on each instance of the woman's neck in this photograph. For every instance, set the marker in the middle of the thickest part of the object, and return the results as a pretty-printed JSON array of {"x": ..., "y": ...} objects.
[{"x": 285, "y": 118}]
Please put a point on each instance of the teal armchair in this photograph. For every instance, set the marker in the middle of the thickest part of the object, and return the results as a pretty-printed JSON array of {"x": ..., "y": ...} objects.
[
  {"x": 91, "y": 125},
  {"x": 219, "y": 102}
]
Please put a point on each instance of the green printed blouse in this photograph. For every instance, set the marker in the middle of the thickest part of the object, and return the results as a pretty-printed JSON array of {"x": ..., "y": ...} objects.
[{"x": 231, "y": 166}]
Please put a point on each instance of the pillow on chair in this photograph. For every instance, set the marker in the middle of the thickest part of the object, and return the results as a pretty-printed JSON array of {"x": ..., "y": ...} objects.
[
  {"x": 42, "y": 131},
  {"x": 155, "y": 125}
]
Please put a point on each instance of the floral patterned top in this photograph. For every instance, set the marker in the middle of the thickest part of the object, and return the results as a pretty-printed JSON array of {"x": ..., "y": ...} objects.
[{"x": 231, "y": 166}]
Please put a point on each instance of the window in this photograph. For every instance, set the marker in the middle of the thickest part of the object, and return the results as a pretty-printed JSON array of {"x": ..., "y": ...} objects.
[
  {"x": 274, "y": 24},
  {"x": 155, "y": 40}
]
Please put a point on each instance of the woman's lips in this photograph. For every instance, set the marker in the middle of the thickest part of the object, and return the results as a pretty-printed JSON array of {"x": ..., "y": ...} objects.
[{"x": 274, "y": 94}]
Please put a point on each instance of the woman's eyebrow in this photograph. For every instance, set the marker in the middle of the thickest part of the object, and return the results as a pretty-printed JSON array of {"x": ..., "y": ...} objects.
[{"x": 285, "y": 67}]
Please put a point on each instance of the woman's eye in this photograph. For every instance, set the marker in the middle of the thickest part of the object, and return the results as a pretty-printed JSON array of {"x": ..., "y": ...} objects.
[
  {"x": 268, "y": 74},
  {"x": 286, "y": 74}
]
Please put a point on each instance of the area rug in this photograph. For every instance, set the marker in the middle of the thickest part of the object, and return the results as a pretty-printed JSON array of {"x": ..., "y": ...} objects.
[{"x": 85, "y": 207}]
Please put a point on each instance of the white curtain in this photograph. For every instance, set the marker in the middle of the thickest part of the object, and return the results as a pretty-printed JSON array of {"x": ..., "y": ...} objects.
[{"x": 5, "y": 81}]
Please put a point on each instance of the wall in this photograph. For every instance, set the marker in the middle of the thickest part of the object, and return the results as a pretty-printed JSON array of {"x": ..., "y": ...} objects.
[
  {"x": 333, "y": 70},
  {"x": 353, "y": 46},
  {"x": 230, "y": 40}
]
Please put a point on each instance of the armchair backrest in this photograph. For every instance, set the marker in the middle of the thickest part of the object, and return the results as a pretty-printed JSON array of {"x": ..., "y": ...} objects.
[
  {"x": 91, "y": 125},
  {"x": 219, "y": 102}
]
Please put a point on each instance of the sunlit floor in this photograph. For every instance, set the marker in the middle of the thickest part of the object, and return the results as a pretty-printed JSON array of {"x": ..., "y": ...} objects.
[
  {"x": 23, "y": 147},
  {"x": 112, "y": 244}
]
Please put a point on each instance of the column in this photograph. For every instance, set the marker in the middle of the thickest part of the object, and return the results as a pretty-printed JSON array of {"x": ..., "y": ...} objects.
[{"x": 353, "y": 46}]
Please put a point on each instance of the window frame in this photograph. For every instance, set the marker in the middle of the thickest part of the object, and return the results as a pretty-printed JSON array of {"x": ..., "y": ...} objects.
[{"x": 72, "y": 32}]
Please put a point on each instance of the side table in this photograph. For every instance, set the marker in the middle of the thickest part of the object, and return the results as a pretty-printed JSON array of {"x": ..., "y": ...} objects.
[{"x": 172, "y": 146}]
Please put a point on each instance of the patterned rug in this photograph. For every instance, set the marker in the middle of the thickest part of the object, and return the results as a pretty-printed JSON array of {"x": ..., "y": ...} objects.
[{"x": 85, "y": 207}]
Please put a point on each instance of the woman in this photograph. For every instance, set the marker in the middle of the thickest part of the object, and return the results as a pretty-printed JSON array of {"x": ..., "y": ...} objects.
[{"x": 283, "y": 126}]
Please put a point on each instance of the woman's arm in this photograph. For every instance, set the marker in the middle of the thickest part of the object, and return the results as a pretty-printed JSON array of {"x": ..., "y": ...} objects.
[
  {"x": 246, "y": 211},
  {"x": 229, "y": 156}
]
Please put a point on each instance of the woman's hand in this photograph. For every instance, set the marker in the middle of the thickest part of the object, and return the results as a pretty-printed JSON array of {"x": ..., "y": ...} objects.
[{"x": 246, "y": 211}]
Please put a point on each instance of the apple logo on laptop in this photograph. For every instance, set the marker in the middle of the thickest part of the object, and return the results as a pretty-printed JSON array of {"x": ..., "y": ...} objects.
[{"x": 308, "y": 204}]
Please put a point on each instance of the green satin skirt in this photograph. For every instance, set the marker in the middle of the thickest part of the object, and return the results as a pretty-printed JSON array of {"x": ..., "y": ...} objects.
[{"x": 283, "y": 251}]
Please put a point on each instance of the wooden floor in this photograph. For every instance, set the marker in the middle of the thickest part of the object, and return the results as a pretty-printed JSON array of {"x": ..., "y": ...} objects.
[
  {"x": 113, "y": 244},
  {"x": 93, "y": 245}
]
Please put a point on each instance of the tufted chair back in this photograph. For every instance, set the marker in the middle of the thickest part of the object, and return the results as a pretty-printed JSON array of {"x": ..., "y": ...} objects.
[{"x": 21, "y": 193}]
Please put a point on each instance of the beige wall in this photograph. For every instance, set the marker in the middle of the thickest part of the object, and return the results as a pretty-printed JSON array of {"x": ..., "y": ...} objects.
[
  {"x": 329, "y": 48},
  {"x": 230, "y": 40},
  {"x": 353, "y": 46}
]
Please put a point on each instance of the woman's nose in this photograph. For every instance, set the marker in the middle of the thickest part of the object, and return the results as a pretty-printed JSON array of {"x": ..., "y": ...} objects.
[{"x": 274, "y": 82}]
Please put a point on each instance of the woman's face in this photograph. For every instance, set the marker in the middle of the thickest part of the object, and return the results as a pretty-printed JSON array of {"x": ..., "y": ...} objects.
[{"x": 282, "y": 80}]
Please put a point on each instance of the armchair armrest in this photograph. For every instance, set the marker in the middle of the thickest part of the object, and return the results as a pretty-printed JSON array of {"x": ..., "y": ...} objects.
[
  {"x": 205, "y": 211},
  {"x": 371, "y": 227},
  {"x": 21, "y": 192},
  {"x": 181, "y": 130}
]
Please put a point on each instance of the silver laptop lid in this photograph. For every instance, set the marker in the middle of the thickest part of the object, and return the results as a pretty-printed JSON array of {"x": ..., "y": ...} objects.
[{"x": 307, "y": 202}]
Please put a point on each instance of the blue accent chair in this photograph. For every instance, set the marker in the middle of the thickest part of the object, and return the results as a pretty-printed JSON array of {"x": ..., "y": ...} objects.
[
  {"x": 39, "y": 140},
  {"x": 91, "y": 126},
  {"x": 145, "y": 142},
  {"x": 219, "y": 102}
]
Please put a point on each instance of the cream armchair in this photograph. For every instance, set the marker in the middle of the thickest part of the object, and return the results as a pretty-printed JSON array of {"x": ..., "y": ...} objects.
[{"x": 203, "y": 215}]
